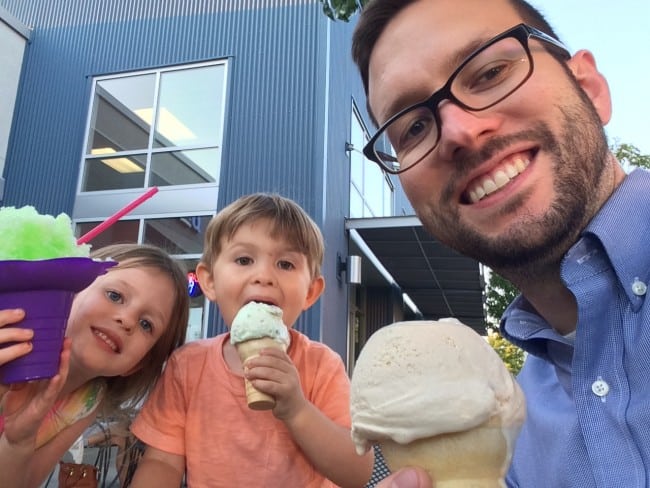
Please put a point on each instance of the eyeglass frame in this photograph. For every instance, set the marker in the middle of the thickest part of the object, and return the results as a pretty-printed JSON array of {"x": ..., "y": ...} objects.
[{"x": 521, "y": 32}]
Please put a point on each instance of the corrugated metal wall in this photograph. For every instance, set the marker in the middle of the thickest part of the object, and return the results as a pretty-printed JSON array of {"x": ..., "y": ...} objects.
[{"x": 287, "y": 119}]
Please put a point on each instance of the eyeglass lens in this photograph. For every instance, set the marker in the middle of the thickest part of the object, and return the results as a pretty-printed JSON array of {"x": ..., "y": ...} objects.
[{"x": 485, "y": 79}]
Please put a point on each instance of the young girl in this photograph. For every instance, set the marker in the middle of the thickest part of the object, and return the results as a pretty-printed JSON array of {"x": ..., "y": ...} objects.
[{"x": 121, "y": 330}]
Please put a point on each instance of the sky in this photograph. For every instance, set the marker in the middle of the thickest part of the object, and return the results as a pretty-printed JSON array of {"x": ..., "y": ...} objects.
[{"x": 617, "y": 33}]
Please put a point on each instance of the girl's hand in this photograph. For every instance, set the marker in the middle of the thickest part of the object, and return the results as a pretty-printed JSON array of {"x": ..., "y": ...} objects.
[
  {"x": 13, "y": 334},
  {"x": 25, "y": 405}
]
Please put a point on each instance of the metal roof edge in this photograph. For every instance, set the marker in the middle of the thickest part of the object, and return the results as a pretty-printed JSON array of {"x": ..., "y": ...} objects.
[
  {"x": 14, "y": 23},
  {"x": 383, "y": 222}
]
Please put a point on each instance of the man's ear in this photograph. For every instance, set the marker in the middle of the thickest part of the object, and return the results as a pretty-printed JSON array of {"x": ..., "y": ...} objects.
[
  {"x": 316, "y": 289},
  {"x": 593, "y": 83},
  {"x": 206, "y": 281}
]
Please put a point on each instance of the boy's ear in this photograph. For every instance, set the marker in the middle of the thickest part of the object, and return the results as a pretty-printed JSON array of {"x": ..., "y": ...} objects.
[
  {"x": 316, "y": 289},
  {"x": 205, "y": 281},
  {"x": 593, "y": 83}
]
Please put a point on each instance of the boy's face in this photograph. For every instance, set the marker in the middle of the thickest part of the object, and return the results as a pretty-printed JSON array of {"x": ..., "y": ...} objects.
[{"x": 254, "y": 266}]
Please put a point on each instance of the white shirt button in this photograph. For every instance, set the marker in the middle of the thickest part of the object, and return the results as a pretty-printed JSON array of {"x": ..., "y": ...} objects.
[
  {"x": 639, "y": 288},
  {"x": 600, "y": 387}
]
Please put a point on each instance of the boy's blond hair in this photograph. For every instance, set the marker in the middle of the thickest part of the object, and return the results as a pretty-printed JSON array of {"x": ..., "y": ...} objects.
[{"x": 290, "y": 222}]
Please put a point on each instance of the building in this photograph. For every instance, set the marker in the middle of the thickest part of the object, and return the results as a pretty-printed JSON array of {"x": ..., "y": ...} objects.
[{"x": 209, "y": 100}]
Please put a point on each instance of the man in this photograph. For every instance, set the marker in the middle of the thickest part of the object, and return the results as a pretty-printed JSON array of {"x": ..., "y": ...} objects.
[{"x": 507, "y": 162}]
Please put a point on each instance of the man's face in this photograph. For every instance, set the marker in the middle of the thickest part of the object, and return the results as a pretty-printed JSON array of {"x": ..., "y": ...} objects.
[{"x": 510, "y": 185}]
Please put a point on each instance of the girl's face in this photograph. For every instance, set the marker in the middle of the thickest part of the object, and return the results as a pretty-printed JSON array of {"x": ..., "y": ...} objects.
[{"x": 116, "y": 321}]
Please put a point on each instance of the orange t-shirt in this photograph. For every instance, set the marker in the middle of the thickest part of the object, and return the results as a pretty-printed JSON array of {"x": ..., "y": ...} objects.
[{"x": 198, "y": 410}]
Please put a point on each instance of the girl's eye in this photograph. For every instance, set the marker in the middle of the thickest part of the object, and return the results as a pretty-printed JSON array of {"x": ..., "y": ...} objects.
[
  {"x": 243, "y": 261},
  {"x": 146, "y": 325},
  {"x": 114, "y": 296},
  {"x": 286, "y": 265}
]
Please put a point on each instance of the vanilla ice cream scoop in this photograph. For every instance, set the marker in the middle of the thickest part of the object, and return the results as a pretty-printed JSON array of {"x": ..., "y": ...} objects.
[
  {"x": 436, "y": 395},
  {"x": 255, "y": 327}
]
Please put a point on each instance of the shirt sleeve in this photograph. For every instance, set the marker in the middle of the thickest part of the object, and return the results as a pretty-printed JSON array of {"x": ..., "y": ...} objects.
[{"x": 161, "y": 422}]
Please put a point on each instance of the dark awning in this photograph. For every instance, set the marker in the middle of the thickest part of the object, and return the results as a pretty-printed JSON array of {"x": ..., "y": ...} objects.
[{"x": 439, "y": 281}]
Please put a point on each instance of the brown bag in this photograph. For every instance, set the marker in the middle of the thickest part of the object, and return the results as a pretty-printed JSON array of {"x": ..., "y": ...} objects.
[{"x": 72, "y": 475}]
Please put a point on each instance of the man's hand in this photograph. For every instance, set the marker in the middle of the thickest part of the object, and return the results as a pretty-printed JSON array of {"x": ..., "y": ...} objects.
[{"x": 407, "y": 478}]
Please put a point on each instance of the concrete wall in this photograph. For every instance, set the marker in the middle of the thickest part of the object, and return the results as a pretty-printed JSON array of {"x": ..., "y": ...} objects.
[{"x": 13, "y": 40}]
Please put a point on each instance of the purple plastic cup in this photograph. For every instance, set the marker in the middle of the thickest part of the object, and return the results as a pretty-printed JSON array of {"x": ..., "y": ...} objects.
[{"x": 44, "y": 289}]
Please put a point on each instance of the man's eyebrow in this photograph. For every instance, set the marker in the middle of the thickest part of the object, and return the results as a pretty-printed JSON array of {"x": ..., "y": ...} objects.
[{"x": 449, "y": 66}]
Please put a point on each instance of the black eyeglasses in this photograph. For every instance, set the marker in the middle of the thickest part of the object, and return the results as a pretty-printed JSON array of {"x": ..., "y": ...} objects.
[{"x": 487, "y": 76}]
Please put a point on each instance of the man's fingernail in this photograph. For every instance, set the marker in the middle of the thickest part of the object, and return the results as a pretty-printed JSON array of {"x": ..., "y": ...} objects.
[{"x": 405, "y": 479}]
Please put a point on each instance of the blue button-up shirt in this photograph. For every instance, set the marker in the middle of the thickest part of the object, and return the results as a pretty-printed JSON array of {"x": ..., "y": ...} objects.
[{"x": 588, "y": 396}]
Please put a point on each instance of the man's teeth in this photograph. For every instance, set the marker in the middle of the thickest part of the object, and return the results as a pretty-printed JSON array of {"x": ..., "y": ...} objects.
[
  {"x": 498, "y": 179},
  {"x": 106, "y": 339}
]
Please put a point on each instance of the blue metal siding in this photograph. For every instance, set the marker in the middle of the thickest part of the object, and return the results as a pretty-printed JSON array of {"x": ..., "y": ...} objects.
[{"x": 290, "y": 90}]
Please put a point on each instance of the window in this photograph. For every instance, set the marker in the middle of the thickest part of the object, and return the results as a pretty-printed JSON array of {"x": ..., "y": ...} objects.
[
  {"x": 371, "y": 190},
  {"x": 156, "y": 128},
  {"x": 159, "y": 128}
]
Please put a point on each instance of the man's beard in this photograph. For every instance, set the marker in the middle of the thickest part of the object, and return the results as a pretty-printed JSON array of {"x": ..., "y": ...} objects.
[{"x": 534, "y": 242}]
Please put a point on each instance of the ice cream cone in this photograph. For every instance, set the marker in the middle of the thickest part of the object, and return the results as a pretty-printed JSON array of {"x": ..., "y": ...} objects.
[
  {"x": 249, "y": 349},
  {"x": 476, "y": 458}
]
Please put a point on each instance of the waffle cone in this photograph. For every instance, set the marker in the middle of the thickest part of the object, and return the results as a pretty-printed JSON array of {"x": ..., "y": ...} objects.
[
  {"x": 477, "y": 458},
  {"x": 249, "y": 349}
]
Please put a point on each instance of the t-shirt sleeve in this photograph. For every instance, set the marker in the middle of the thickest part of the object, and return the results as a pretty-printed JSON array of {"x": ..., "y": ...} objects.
[
  {"x": 327, "y": 383},
  {"x": 161, "y": 422}
]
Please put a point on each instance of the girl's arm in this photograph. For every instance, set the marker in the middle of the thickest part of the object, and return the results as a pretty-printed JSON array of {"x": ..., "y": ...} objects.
[{"x": 24, "y": 407}]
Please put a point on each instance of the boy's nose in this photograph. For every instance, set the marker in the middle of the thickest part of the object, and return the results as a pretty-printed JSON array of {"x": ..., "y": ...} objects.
[{"x": 264, "y": 275}]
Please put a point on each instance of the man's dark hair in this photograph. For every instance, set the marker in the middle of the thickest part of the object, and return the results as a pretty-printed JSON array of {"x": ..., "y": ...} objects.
[{"x": 378, "y": 13}]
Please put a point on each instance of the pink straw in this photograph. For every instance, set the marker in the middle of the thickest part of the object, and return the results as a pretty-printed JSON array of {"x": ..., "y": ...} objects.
[{"x": 95, "y": 231}]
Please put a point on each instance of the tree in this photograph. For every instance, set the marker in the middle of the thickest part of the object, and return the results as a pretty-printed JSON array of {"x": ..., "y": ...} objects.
[
  {"x": 342, "y": 9},
  {"x": 499, "y": 293},
  {"x": 629, "y": 154}
]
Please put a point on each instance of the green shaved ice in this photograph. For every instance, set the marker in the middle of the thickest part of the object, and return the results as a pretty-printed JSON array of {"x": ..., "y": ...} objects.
[{"x": 27, "y": 235}]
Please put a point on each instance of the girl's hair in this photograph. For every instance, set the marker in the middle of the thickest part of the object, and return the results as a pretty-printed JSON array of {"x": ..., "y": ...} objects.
[
  {"x": 290, "y": 222},
  {"x": 126, "y": 392}
]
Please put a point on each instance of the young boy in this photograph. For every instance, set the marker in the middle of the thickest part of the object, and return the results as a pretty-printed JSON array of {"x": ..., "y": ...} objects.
[{"x": 263, "y": 248}]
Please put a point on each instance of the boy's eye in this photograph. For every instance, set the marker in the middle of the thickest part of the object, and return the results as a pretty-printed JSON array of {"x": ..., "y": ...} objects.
[
  {"x": 285, "y": 265},
  {"x": 243, "y": 261},
  {"x": 114, "y": 296},
  {"x": 146, "y": 325}
]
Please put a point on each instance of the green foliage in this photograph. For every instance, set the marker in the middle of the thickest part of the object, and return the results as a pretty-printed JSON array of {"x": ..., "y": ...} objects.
[
  {"x": 512, "y": 356},
  {"x": 342, "y": 9},
  {"x": 499, "y": 293},
  {"x": 631, "y": 155}
]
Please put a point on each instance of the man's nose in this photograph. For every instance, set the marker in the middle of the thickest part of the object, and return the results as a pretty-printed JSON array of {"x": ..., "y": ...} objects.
[{"x": 463, "y": 129}]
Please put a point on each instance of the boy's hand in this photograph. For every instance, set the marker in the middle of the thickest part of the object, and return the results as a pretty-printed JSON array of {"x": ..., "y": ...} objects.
[
  {"x": 25, "y": 405},
  {"x": 273, "y": 373}
]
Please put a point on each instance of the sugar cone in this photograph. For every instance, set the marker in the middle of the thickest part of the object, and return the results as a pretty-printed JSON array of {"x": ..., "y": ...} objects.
[
  {"x": 249, "y": 349},
  {"x": 477, "y": 458}
]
